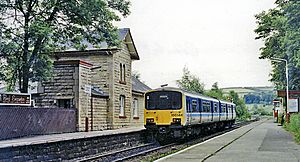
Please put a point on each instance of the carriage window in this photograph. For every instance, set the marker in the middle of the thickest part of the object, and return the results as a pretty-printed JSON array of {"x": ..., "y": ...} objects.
[
  {"x": 223, "y": 108},
  {"x": 163, "y": 100},
  {"x": 205, "y": 106},
  {"x": 194, "y": 105}
]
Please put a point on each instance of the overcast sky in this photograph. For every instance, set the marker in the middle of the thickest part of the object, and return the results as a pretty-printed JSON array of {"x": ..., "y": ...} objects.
[{"x": 213, "y": 38}]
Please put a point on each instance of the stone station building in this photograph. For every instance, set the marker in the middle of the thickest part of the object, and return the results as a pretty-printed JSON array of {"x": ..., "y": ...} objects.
[{"x": 99, "y": 84}]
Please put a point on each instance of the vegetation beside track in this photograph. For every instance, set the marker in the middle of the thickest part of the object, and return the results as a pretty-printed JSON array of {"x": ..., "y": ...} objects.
[{"x": 294, "y": 126}]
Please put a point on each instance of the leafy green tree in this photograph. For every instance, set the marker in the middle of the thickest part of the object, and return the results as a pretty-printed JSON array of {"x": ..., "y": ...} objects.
[
  {"x": 279, "y": 29},
  {"x": 241, "y": 110},
  {"x": 31, "y": 29},
  {"x": 216, "y": 92},
  {"x": 136, "y": 74},
  {"x": 190, "y": 82}
]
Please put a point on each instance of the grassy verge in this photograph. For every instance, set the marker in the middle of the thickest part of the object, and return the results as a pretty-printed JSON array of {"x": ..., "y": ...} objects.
[{"x": 294, "y": 126}]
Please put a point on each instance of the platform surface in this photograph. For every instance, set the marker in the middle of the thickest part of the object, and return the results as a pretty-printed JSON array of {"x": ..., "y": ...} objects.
[
  {"x": 261, "y": 141},
  {"x": 63, "y": 137}
]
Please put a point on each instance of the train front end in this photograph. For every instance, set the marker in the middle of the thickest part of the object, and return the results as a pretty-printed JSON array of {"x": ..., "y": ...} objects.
[{"x": 164, "y": 113}]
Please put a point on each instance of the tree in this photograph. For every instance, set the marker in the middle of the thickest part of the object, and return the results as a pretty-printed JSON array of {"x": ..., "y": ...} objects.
[
  {"x": 241, "y": 110},
  {"x": 31, "y": 29},
  {"x": 136, "y": 74},
  {"x": 216, "y": 92},
  {"x": 190, "y": 82},
  {"x": 279, "y": 29}
]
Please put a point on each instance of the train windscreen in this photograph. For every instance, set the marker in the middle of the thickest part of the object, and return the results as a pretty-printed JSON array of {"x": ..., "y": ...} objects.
[{"x": 163, "y": 100}]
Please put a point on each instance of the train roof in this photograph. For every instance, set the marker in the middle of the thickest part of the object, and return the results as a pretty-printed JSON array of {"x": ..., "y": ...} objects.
[
  {"x": 192, "y": 94},
  {"x": 226, "y": 102}
]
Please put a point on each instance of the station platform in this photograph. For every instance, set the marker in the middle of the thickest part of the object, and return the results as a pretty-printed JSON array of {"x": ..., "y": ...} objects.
[
  {"x": 261, "y": 141},
  {"x": 42, "y": 139}
]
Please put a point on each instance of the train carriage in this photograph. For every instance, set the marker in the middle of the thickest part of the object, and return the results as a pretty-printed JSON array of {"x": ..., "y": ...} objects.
[{"x": 173, "y": 112}]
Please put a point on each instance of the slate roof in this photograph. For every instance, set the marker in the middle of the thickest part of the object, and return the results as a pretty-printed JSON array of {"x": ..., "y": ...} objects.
[
  {"x": 138, "y": 86},
  {"x": 103, "y": 46}
]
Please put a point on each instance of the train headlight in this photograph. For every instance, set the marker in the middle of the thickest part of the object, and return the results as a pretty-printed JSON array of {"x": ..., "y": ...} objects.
[
  {"x": 176, "y": 120},
  {"x": 149, "y": 120}
]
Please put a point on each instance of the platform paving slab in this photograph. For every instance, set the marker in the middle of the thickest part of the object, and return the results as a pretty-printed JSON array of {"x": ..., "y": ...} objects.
[{"x": 259, "y": 141}]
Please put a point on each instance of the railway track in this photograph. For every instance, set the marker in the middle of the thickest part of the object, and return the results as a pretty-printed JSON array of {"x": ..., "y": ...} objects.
[
  {"x": 119, "y": 154},
  {"x": 155, "y": 153},
  {"x": 152, "y": 151}
]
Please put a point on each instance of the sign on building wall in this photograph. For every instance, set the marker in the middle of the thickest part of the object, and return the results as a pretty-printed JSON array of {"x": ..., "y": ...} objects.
[
  {"x": 293, "y": 105},
  {"x": 21, "y": 99}
]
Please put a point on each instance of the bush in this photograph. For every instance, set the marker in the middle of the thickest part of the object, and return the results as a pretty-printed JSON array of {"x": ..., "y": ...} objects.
[{"x": 294, "y": 126}]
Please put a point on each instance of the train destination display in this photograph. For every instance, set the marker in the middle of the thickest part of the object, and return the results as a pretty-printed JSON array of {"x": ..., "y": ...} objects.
[{"x": 21, "y": 99}]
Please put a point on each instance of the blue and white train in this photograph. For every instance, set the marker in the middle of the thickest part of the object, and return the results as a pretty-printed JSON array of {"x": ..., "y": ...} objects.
[{"x": 172, "y": 112}]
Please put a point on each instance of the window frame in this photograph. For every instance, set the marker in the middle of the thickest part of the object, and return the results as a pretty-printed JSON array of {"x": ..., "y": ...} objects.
[
  {"x": 135, "y": 108},
  {"x": 122, "y": 106}
]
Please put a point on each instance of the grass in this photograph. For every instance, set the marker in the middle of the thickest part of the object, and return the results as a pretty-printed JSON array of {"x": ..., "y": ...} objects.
[{"x": 294, "y": 126}]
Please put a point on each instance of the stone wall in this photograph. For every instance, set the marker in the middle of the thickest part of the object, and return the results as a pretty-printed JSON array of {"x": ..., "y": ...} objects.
[
  {"x": 84, "y": 104},
  {"x": 69, "y": 82},
  {"x": 101, "y": 75},
  {"x": 137, "y": 122},
  {"x": 122, "y": 88},
  {"x": 71, "y": 150},
  {"x": 99, "y": 117},
  {"x": 63, "y": 85}
]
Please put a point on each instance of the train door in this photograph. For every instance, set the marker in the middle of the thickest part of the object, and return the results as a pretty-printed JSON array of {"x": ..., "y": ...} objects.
[
  {"x": 188, "y": 111},
  {"x": 206, "y": 113},
  {"x": 212, "y": 109},
  {"x": 216, "y": 115},
  {"x": 220, "y": 111},
  {"x": 227, "y": 111},
  {"x": 195, "y": 111},
  {"x": 200, "y": 110},
  {"x": 231, "y": 111}
]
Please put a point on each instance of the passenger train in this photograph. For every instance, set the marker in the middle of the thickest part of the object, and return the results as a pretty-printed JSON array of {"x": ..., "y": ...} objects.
[{"x": 175, "y": 113}]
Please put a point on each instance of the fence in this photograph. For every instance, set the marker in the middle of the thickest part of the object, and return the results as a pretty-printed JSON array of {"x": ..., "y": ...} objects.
[{"x": 26, "y": 121}]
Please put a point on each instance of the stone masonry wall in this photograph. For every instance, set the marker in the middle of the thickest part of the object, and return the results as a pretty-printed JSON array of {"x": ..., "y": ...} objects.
[
  {"x": 69, "y": 81},
  {"x": 100, "y": 69},
  {"x": 122, "y": 57},
  {"x": 101, "y": 76},
  {"x": 84, "y": 97},
  {"x": 100, "y": 109},
  {"x": 138, "y": 122},
  {"x": 71, "y": 150},
  {"x": 61, "y": 86}
]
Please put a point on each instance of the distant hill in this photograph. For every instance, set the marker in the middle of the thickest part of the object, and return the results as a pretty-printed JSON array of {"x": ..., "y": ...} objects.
[{"x": 253, "y": 95}]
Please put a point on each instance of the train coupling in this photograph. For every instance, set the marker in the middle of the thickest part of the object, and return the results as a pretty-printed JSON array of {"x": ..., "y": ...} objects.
[{"x": 162, "y": 130}]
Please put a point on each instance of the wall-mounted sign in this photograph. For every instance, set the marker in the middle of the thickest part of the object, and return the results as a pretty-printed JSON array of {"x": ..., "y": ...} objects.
[
  {"x": 88, "y": 89},
  {"x": 293, "y": 105},
  {"x": 15, "y": 99}
]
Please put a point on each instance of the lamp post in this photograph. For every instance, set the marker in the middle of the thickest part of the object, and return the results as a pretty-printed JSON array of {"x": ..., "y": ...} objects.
[{"x": 287, "y": 78}]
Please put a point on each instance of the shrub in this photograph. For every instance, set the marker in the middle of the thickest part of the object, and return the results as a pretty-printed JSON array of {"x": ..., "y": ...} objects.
[{"x": 294, "y": 126}]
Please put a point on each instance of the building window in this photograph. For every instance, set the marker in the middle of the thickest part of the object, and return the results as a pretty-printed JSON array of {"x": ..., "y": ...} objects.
[
  {"x": 135, "y": 108},
  {"x": 124, "y": 73},
  {"x": 64, "y": 103},
  {"x": 122, "y": 106},
  {"x": 121, "y": 73}
]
